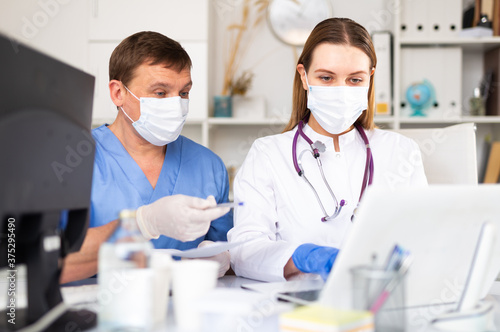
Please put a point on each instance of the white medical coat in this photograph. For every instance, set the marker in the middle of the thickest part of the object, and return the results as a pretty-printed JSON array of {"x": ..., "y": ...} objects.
[{"x": 281, "y": 211}]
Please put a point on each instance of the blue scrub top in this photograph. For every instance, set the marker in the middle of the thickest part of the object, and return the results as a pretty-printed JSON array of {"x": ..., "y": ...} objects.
[{"x": 189, "y": 168}]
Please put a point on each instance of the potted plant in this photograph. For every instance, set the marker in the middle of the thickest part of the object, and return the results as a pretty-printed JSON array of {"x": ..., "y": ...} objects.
[{"x": 252, "y": 14}]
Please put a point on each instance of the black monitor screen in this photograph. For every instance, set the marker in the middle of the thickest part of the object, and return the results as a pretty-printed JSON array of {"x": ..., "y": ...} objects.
[{"x": 46, "y": 163}]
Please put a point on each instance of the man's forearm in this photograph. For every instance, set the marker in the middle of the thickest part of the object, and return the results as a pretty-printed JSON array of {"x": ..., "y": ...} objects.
[{"x": 83, "y": 264}]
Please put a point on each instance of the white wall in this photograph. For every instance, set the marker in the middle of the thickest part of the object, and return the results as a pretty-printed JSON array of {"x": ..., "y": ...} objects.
[
  {"x": 56, "y": 27},
  {"x": 84, "y": 33}
]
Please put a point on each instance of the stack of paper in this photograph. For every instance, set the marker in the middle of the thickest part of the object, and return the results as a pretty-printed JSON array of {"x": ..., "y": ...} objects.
[
  {"x": 476, "y": 32},
  {"x": 317, "y": 318}
]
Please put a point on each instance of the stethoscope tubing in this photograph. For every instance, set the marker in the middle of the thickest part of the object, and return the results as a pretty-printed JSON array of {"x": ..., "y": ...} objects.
[
  {"x": 369, "y": 161},
  {"x": 367, "y": 177}
]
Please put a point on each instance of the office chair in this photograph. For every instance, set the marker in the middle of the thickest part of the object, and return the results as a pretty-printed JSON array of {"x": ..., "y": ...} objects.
[{"x": 448, "y": 154}]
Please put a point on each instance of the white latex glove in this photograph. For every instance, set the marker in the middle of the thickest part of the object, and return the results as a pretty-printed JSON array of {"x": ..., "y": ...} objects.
[
  {"x": 224, "y": 259},
  {"x": 181, "y": 217}
]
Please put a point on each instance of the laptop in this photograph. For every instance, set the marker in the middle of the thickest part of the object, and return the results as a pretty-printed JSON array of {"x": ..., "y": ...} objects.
[{"x": 440, "y": 225}]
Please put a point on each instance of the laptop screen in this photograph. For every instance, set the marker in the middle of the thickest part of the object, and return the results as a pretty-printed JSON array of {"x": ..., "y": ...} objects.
[{"x": 439, "y": 225}]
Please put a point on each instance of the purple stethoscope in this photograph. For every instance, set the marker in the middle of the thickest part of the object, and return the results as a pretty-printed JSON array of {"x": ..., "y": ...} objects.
[{"x": 318, "y": 147}]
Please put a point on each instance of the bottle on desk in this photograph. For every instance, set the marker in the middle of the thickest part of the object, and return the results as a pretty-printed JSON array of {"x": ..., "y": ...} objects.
[{"x": 125, "y": 280}]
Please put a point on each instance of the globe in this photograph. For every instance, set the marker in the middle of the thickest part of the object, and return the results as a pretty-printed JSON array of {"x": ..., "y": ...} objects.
[{"x": 420, "y": 96}]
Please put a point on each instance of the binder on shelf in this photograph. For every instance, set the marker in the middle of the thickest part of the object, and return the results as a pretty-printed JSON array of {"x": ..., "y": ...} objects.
[
  {"x": 496, "y": 18},
  {"x": 418, "y": 21},
  {"x": 492, "y": 63},
  {"x": 430, "y": 19},
  {"x": 490, "y": 8},
  {"x": 437, "y": 22},
  {"x": 477, "y": 12},
  {"x": 487, "y": 9},
  {"x": 452, "y": 17},
  {"x": 492, "y": 174},
  {"x": 405, "y": 18},
  {"x": 382, "y": 41}
]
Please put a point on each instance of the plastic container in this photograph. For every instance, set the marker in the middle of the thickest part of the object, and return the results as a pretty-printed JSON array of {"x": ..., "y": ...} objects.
[
  {"x": 125, "y": 293},
  {"x": 368, "y": 284}
]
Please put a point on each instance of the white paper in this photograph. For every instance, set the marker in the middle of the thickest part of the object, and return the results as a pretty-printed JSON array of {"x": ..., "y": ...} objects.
[{"x": 207, "y": 251}]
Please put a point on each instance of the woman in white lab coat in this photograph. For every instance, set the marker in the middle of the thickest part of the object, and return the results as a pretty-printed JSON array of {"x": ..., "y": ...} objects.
[{"x": 295, "y": 231}]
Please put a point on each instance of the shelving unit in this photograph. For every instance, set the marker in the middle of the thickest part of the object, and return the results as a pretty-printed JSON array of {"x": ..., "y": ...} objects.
[
  {"x": 467, "y": 43},
  {"x": 203, "y": 130},
  {"x": 470, "y": 54},
  {"x": 245, "y": 122}
]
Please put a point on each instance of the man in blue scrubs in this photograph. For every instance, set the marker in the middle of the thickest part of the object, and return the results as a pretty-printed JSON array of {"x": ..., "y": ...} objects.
[{"x": 142, "y": 163}]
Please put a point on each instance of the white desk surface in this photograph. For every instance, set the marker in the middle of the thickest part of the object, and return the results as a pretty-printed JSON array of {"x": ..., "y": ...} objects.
[{"x": 417, "y": 318}]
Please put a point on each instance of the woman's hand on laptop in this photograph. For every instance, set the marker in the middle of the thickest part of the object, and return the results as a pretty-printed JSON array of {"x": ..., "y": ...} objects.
[{"x": 311, "y": 258}]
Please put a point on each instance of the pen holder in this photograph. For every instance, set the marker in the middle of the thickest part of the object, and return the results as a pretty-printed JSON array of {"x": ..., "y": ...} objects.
[{"x": 383, "y": 293}]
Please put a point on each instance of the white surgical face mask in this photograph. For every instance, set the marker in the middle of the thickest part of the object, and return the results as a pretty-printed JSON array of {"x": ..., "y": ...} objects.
[
  {"x": 336, "y": 108},
  {"x": 161, "y": 119}
]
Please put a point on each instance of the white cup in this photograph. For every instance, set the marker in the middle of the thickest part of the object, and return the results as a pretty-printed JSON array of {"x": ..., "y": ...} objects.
[
  {"x": 161, "y": 263},
  {"x": 191, "y": 280}
]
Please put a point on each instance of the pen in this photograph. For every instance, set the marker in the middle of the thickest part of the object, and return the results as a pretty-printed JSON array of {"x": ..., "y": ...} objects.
[
  {"x": 397, "y": 256},
  {"x": 379, "y": 302},
  {"x": 229, "y": 204}
]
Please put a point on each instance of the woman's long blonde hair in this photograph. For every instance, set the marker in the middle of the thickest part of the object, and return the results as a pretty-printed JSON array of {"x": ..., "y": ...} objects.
[{"x": 338, "y": 31}]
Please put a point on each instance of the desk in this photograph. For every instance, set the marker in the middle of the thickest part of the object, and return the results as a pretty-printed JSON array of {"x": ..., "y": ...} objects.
[{"x": 85, "y": 296}]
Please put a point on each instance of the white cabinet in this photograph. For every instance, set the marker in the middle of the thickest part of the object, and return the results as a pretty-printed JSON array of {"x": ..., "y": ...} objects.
[
  {"x": 180, "y": 20},
  {"x": 56, "y": 28},
  {"x": 110, "y": 21},
  {"x": 453, "y": 64},
  {"x": 104, "y": 110}
]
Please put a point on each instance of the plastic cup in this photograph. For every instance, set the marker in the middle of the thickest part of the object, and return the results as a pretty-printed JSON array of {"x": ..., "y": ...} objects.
[{"x": 191, "y": 280}]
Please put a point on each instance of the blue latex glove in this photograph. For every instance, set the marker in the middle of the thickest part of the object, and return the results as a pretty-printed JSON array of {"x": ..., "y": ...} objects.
[{"x": 311, "y": 258}]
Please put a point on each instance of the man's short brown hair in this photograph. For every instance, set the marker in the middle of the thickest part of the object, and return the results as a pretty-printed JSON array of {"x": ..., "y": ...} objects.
[{"x": 148, "y": 47}]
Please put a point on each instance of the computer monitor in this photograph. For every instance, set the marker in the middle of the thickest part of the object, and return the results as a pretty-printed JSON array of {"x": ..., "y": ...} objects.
[{"x": 46, "y": 164}]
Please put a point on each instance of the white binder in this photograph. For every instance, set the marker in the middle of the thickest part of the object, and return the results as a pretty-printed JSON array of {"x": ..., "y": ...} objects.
[
  {"x": 414, "y": 15},
  {"x": 453, "y": 17},
  {"x": 434, "y": 19},
  {"x": 405, "y": 18},
  {"x": 444, "y": 18},
  {"x": 437, "y": 21},
  {"x": 382, "y": 42}
]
